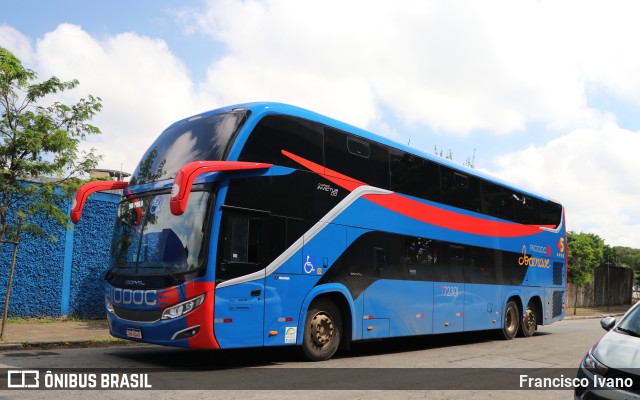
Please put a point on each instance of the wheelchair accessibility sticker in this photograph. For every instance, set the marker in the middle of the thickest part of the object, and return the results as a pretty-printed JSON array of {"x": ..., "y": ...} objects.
[{"x": 310, "y": 266}]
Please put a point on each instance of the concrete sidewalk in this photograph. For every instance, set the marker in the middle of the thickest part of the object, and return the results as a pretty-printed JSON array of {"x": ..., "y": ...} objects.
[
  {"x": 61, "y": 332},
  {"x": 595, "y": 312},
  {"x": 56, "y": 332}
]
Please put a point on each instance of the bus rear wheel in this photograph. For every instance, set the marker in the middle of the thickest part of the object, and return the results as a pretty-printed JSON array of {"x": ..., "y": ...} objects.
[
  {"x": 511, "y": 320},
  {"x": 529, "y": 321},
  {"x": 322, "y": 330}
]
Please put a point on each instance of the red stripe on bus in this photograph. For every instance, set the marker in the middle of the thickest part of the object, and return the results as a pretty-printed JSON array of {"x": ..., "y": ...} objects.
[{"x": 420, "y": 211}]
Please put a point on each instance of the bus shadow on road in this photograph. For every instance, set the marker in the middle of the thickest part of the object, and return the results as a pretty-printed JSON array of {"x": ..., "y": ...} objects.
[
  {"x": 418, "y": 343},
  {"x": 164, "y": 357}
]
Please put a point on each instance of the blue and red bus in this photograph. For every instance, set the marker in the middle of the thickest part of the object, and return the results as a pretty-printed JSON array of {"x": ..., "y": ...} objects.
[{"x": 265, "y": 224}]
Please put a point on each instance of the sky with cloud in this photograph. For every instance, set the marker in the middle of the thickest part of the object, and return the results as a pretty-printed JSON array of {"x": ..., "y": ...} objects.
[{"x": 546, "y": 94}]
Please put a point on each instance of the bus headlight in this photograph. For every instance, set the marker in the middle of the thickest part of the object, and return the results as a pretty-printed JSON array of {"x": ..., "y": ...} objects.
[
  {"x": 109, "y": 306},
  {"x": 183, "y": 308}
]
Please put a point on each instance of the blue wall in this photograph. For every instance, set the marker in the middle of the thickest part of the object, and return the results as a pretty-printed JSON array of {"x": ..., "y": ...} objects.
[{"x": 63, "y": 277}]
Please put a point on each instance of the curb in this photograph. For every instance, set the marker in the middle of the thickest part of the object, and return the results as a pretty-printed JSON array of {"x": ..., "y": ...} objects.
[
  {"x": 66, "y": 344},
  {"x": 593, "y": 316}
]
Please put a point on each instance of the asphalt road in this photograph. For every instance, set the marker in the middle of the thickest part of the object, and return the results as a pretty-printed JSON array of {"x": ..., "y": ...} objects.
[{"x": 431, "y": 367}]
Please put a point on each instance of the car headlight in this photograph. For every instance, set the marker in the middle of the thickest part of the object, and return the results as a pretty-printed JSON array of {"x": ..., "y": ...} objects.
[
  {"x": 592, "y": 364},
  {"x": 183, "y": 308}
]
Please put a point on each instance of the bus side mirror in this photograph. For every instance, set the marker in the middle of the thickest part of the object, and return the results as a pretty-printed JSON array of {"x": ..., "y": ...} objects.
[
  {"x": 84, "y": 191},
  {"x": 187, "y": 175}
]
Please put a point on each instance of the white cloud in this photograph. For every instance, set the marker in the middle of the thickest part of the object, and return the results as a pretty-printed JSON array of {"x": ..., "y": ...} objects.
[
  {"x": 143, "y": 86},
  {"x": 593, "y": 172},
  {"x": 17, "y": 43},
  {"x": 455, "y": 66}
]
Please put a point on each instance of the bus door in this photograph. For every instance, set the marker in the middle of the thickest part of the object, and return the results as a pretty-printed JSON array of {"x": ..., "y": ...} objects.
[
  {"x": 449, "y": 291},
  {"x": 240, "y": 279}
]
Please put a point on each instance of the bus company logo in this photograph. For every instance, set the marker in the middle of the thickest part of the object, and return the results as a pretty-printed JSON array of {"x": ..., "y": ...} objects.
[
  {"x": 562, "y": 248},
  {"x": 327, "y": 188},
  {"x": 136, "y": 297},
  {"x": 534, "y": 248},
  {"x": 529, "y": 261}
]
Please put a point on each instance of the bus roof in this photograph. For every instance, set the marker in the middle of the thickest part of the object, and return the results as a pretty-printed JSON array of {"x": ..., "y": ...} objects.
[{"x": 261, "y": 109}]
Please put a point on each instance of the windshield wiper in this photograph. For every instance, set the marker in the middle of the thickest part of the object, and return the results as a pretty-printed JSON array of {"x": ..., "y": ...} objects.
[{"x": 630, "y": 332}]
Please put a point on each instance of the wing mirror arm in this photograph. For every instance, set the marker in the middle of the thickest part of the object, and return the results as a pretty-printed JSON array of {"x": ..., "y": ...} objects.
[
  {"x": 84, "y": 191},
  {"x": 187, "y": 175}
]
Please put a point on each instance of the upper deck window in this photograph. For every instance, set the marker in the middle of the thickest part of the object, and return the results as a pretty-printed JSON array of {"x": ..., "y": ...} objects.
[
  {"x": 275, "y": 133},
  {"x": 199, "y": 138}
]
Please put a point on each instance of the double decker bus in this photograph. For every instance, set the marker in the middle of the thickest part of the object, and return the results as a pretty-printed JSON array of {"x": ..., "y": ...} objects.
[{"x": 265, "y": 224}]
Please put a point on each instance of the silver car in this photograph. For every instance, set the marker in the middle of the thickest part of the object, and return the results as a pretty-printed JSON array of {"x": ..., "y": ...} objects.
[{"x": 611, "y": 369}]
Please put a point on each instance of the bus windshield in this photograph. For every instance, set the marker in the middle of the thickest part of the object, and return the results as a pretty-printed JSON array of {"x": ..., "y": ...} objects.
[
  {"x": 197, "y": 139},
  {"x": 149, "y": 240}
]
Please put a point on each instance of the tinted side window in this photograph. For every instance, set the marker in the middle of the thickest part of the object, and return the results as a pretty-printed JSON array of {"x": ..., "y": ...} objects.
[
  {"x": 249, "y": 241},
  {"x": 276, "y": 133},
  {"x": 357, "y": 158},
  {"x": 526, "y": 209},
  {"x": 242, "y": 240},
  {"x": 241, "y": 247},
  {"x": 497, "y": 201},
  {"x": 551, "y": 214},
  {"x": 460, "y": 190},
  {"x": 415, "y": 176}
]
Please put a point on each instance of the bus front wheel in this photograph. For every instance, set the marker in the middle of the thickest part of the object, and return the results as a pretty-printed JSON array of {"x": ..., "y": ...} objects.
[
  {"x": 511, "y": 320},
  {"x": 322, "y": 330}
]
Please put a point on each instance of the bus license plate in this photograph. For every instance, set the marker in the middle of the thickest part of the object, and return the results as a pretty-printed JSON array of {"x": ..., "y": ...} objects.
[{"x": 134, "y": 333}]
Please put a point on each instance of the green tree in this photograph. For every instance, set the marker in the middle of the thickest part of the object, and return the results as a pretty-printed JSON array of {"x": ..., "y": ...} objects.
[
  {"x": 586, "y": 252},
  {"x": 37, "y": 143},
  {"x": 630, "y": 258}
]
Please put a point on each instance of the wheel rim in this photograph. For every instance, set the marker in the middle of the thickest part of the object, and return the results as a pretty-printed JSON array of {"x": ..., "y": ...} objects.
[
  {"x": 510, "y": 320},
  {"x": 321, "y": 330},
  {"x": 529, "y": 320}
]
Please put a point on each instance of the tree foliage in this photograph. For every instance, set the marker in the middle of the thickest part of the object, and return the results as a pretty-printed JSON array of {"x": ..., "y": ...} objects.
[
  {"x": 37, "y": 142},
  {"x": 629, "y": 258},
  {"x": 586, "y": 252}
]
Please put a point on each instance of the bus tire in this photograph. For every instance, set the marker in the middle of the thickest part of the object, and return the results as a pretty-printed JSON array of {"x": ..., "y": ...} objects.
[
  {"x": 511, "y": 320},
  {"x": 322, "y": 330},
  {"x": 529, "y": 321}
]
